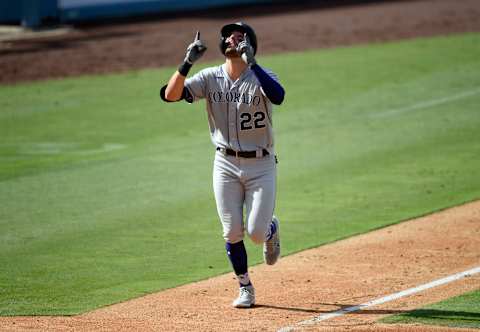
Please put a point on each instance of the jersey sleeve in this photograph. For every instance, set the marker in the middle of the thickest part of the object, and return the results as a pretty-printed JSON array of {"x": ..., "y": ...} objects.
[
  {"x": 196, "y": 86},
  {"x": 272, "y": 74},
  {"x": 270, "y": 85}
]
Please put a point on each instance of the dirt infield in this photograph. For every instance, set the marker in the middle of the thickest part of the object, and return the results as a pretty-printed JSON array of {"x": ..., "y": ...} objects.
[
  {"x": 162, "y": 42},
  {"x": 310, "y": 283},
  {"x": 307, "y": 284}
]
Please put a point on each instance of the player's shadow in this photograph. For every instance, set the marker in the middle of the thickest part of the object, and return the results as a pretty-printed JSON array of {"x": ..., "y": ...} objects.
[
  {"x": 458, "y": 316},
  {"x": 470, "y": 317},
  {"x": 337, "y": 306}
]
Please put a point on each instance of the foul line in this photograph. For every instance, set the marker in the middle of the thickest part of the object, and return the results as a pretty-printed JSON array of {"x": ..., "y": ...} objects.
[
  {"x": 382, "y": 300},
  {"x": 428, "y": 103}
]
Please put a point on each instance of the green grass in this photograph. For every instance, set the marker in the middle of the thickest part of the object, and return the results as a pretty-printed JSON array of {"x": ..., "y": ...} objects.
[
  {"x": 460, "y": 311},
  {"x": 106, "y": 192}
]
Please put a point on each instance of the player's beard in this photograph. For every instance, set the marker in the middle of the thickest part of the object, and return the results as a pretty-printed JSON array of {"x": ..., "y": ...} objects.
[{"x": 231, "y": 52}]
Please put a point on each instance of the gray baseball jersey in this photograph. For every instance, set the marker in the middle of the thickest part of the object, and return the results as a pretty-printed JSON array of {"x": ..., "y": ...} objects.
[
  {"x": 240, "y": 118},
  {"x": 239, "y": 114}
]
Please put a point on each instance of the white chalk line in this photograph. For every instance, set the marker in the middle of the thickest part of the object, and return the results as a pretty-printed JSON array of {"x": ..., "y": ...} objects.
[
  {"x": 428, "y": 103},
  {"x": 382, "y": 300}
]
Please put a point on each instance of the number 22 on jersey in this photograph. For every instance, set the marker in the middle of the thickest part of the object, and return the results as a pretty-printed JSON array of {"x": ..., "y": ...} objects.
[{"x": 252, "y": 122}]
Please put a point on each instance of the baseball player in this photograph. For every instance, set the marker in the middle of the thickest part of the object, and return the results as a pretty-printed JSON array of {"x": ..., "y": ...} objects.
[{"x": 239, "y": 95}]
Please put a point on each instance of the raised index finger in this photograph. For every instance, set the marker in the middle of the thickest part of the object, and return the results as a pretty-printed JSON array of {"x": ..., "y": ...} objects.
[{"x": 197, "y": 36}]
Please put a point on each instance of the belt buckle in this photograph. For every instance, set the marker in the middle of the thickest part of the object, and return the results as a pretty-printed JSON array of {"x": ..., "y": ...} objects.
[{"x": 236, "y": 154}]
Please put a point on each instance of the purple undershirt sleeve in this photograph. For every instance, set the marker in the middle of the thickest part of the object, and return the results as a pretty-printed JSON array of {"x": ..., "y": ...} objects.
[{"x": 273, "y": 90}]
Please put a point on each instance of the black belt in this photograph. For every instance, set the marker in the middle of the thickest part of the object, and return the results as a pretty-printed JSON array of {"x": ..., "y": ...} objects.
[{"x": 242, "y": 154}]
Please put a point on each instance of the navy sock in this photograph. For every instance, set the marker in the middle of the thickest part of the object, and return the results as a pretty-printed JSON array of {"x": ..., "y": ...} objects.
[{"x": 238, "y": 257}]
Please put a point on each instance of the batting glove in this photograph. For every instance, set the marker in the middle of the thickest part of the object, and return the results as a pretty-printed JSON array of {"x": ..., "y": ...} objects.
[
  {"x": 195, "y": 50},
  {"x": 246, "y": 50}
]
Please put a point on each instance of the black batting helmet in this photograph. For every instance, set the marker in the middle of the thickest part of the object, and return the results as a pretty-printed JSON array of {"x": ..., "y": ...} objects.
[{"x": 239, "y": 26}]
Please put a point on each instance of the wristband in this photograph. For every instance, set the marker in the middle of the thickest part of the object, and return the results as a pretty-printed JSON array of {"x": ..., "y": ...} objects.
[{"x": 184, "y": 68}]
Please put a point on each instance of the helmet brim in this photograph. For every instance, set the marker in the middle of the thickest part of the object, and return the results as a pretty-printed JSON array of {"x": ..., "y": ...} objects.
[{"x": 229, "y": 28}]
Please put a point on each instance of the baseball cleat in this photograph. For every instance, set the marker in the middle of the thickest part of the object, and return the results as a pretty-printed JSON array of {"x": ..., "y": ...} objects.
[
  {"x": 246, "y": 298},
  {"x": 271, "y": 248}
]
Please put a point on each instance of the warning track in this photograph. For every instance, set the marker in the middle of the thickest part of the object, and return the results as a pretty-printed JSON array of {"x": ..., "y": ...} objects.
[{"x": 159, "y": 42}]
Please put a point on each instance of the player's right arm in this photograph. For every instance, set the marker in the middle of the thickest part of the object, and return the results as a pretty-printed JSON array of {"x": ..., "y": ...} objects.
[
  {"x": 175, "y": 86},
  {"x": 175, "y": 89}
]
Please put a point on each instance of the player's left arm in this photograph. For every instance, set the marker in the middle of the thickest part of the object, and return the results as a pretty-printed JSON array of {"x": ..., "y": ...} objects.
[{"x": 271, "y": 87}]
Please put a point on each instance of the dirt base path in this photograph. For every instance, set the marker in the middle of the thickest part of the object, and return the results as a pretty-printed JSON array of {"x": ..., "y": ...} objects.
[
  {"x": 280, "y": 28},
  {"x": 305, "y": 285}
]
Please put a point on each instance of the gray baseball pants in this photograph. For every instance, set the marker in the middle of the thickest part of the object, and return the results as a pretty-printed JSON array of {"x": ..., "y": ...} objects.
[{"x": 249, "y": 183}]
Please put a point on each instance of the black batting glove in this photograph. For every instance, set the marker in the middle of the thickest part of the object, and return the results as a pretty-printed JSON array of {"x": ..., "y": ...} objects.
[
  {"x": 246, "y": 50},
  {"x": 195, "y": 50}
]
